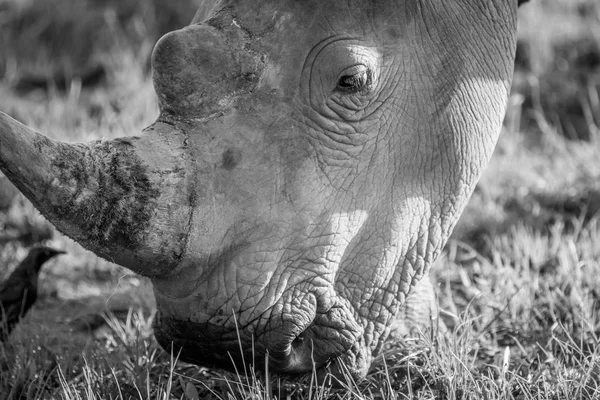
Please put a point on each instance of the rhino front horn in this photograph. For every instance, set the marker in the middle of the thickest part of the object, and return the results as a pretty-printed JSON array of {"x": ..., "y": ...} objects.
[{"x": 110, "y": 196}]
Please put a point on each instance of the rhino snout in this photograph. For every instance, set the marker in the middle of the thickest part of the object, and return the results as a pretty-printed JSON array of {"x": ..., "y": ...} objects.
[{"x": 292, "y": 342}]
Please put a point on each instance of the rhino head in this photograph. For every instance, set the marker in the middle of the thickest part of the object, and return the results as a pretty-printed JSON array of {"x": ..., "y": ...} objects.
[{"x": 309, "y": 162}]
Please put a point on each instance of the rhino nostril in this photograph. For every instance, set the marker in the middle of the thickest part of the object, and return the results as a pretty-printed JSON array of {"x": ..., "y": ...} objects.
[{"x": 299, "y": 340}]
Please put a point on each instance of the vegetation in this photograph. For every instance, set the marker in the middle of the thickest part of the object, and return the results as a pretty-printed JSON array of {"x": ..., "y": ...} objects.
[{"x": 519, "y": 282}]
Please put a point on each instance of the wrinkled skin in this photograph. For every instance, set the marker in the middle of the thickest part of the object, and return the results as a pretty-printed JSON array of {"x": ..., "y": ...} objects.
[{"x": 310, "y": 160}]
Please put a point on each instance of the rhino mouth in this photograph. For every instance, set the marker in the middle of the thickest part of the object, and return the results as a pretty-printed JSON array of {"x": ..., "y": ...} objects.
[{"x": 318, "y": 346}]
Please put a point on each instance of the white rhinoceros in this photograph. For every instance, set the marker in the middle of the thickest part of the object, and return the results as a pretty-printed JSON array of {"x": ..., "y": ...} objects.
[{"x": 308, "y": 164}]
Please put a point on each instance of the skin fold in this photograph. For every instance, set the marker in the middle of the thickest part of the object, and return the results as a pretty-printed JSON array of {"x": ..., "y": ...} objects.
[{"x": 309, "y": 163}]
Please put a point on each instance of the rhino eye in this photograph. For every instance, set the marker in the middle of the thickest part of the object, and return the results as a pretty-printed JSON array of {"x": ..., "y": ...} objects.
[{"x": 354, "y": 79}]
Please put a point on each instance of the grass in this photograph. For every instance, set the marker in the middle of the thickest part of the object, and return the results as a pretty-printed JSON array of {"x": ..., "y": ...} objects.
[{"x": 518, "y": 283}]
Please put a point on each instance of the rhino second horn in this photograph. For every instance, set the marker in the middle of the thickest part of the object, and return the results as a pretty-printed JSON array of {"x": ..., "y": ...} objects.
[{"x": 113, "y": 197}]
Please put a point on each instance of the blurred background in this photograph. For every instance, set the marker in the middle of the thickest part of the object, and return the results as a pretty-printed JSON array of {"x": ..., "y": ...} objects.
[{"x": 79, "y": 70}]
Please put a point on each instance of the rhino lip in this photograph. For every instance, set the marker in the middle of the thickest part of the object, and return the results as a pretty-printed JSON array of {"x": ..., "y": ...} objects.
[
  {"x": 215, "y": 346},
  {"x": 195, "y": 342}
]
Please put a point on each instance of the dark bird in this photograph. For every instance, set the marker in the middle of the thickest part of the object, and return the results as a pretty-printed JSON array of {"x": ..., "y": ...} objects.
[{"x": 19, "y": 292}]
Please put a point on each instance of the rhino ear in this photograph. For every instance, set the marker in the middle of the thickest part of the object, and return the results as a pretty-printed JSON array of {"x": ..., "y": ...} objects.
[{"x": 521, "y": 2}]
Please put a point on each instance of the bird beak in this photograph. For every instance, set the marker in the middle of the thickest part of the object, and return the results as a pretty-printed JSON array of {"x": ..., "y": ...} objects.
[{"x": 56, "y": 252}]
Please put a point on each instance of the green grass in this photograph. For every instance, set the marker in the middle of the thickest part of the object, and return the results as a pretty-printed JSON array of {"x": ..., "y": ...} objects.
[{"x": 518, "y": 283}]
